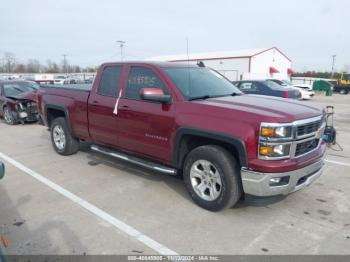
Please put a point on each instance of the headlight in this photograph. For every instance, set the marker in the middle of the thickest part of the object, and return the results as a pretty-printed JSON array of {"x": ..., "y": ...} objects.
[
  {"x": 276, "y": 150},
  {"x": 19, "y": 106},
  {"x": 276, "y": 132}
]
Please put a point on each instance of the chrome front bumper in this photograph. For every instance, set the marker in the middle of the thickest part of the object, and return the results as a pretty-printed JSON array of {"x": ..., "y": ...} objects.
[{"x": 259, "y": 184}]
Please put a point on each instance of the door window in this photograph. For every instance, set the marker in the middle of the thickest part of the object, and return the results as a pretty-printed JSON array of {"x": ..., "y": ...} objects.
[
  {"x": 141, "y": 77},
  {"x": 248, "y": 86},
  {"x": 109, "y": 84}
]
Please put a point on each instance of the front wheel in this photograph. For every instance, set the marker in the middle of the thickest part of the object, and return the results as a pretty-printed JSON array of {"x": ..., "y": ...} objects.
[
  {"x": 9, "y": 116},
  {"x": 212, "y": 177},
  {"x": 62, "y": 140}
]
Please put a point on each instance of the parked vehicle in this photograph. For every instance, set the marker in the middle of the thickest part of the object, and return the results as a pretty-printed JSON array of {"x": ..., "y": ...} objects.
[
  {"x": 180, "y": 118},
  {"x": 44, "y": 79},
  {"x": 18, "y": 101},
  {"x": 59, "y": 80},
  {"x": 89, "y": 80},
  {"x": 73, "y": 80},
  {"x": 342, "y": 85},
  {"x": 267, "y": 88},
  {"x": 305, "y": 90}
]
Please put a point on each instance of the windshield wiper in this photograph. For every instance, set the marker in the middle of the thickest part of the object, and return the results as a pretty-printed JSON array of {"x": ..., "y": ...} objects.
[
  {"x": 199, "y": 97},
  {"x": 232, "y": 94}
]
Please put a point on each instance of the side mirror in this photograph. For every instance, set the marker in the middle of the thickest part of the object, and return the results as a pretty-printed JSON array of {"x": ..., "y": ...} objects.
[
  {"x": 154, "y": 94},
  {"x": 2, "y": 170}
]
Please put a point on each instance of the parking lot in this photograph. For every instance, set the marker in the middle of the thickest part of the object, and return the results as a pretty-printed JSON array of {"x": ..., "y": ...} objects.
[{"x": 91, "y": 204}]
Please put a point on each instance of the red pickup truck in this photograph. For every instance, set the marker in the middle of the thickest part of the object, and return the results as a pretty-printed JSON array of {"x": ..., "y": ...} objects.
[{"x": 179, "y": 118}]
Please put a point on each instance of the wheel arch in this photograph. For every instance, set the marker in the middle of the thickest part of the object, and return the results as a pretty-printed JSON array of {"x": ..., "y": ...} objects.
[
  {"x": 53, "y": 111},
  {"x": 184, "y": 142}
]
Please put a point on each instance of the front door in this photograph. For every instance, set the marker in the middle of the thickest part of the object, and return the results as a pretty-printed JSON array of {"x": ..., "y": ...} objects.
[{"x": 145, "y": 126}]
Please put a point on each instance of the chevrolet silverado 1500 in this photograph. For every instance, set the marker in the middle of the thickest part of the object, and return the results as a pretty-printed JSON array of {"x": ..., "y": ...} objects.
[{"x": 186, "y": 119}]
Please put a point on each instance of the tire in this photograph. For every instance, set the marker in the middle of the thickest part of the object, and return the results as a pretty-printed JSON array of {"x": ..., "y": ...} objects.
[
  {"x": 62, "y": 140},
  {"x": 342, "y": 92},
  {"x": 9, "y": 116},
  {"x": 222, "y": 164}
]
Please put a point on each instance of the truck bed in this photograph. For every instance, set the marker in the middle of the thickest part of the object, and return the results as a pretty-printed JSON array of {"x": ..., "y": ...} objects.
[{"x": 72, "y": 98}]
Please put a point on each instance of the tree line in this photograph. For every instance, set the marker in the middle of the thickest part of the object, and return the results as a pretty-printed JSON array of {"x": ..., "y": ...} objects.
[
  {"x": 9, "y": 64},
  {"x": 315, "y": 74}
]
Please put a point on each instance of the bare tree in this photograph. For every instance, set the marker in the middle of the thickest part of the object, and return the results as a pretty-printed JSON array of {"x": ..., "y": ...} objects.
[
  {"x": 51, "y": 67},
  {"x": 33, "y": 66},
  {"x": 9, "y": 62},
  {"x": 20, "y": 68}
]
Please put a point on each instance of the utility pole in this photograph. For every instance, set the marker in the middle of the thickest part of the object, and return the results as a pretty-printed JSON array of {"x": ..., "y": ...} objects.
[
  {"x": 65, "y": 63},
  {"x": 333, "y": 63},
  {"x": 121, "y": 45}
]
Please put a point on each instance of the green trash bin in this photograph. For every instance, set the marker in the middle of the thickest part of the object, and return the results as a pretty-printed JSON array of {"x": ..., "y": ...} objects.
[{"x": 322, "y": 85}]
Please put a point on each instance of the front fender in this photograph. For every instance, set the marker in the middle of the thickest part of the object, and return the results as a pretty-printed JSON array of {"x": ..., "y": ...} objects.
[{"x": 220, "y": 137}]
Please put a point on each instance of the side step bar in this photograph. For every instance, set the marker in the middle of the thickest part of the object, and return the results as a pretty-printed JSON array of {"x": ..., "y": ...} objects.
[{"x": 134, "y": 160}]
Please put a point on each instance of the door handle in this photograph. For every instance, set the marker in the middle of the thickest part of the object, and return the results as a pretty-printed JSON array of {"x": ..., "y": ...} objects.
[{"x": 94, "y": 103}]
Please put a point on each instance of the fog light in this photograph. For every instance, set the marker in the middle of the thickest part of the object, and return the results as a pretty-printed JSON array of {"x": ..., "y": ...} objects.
[
  {"x": 275, "y": 180},
  {"x": 279, "y": 181}
]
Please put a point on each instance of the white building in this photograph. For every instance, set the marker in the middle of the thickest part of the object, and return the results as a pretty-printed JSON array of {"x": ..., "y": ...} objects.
[{"x": 259, "y": 63}]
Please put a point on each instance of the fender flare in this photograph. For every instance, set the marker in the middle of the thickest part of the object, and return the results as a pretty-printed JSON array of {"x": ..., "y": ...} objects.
[
  {"x": 60, "y": 108},
  {"x": 220, "y": 137}
]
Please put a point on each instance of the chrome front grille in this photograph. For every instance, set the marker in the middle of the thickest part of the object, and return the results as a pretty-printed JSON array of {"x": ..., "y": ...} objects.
[
  {"x": 308, "y": 128},
  {"x": 306, "y": 146},
  {"x": 308, "y": 134}
]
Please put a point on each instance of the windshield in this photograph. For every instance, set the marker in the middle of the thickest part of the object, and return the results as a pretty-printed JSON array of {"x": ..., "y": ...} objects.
[
  {"x": 288, "y": 82},
  {"x": 13, "y": 89},
  {"x": 273, "y": 85},
  {"x": 279, "y": 82},
  {"x": 196, "y": 82}
]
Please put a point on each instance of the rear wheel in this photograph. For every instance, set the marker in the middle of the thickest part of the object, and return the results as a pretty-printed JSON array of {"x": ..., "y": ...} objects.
[
  {"x": 212, "y": 177},
  {"x": 9, "y": 116},
  {"x": 62, "y": 140}
]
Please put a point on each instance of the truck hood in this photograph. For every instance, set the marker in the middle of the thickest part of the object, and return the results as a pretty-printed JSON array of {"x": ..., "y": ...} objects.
[
  {"x": 24, "y": 96},
  {"x": 267, "y": 107}
]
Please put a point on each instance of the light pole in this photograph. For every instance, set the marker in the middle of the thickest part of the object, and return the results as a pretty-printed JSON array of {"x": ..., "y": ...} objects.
[
  {"x": 121, "y": 45},
  {"x": 65, "y": 63},
  {"x": 333, "y": 63}
]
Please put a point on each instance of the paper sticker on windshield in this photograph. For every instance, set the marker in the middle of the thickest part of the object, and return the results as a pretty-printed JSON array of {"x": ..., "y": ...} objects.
[{"x": 115, "y": 111}]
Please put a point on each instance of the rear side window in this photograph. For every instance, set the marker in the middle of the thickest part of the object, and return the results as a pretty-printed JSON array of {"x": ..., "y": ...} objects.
[
  {"x": 141, "y": 77},
  {"x": 248, "y": 86},
  {"x": 109, "y": 84}
]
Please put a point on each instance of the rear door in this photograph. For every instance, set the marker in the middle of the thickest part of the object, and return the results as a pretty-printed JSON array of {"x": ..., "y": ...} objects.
[
  {"x": 103, "y": 128},
  {"x": 145, "y": 126}
]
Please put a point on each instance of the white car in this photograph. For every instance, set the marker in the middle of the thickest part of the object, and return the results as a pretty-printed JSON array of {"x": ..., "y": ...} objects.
[
  {"x": 305, "y": 90},
  {"x": 59, "y": 80}
]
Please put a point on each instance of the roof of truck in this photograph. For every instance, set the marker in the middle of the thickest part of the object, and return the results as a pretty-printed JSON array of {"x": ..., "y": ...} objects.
[{"x": 154, "y": 63}]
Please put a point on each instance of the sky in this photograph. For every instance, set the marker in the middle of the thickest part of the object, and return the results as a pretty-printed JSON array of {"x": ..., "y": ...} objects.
[{"x": 309, "y": 32}]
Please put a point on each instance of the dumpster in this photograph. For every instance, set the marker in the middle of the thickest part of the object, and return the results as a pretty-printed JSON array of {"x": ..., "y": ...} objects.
[{"x": 322, "y": 85}]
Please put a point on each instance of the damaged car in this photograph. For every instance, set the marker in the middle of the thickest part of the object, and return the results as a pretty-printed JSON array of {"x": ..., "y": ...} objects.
[{"x": 18, "y": 101}]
